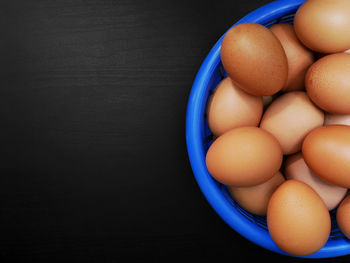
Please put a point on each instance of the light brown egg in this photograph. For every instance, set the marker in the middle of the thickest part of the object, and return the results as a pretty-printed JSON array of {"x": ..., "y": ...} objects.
[
  {"x": 327, "y": 83},
  {"x": 299, "y": 57},
  {"x": 330, "y": 119},
  {"x": 297, "y": 219},
  {"x": 255, "y": 199},
  {"x": 254, "y": 59},
  {"x": 244, "y": 156},
  {"x": 323, "y": 25},
  {"x": 343, "y": 216},
  {"x": 290, "y": 118},
  {"x": 296, "y": 168},
  {"x": 230, "y": 107},
  {"x": 326, "y": 151}
]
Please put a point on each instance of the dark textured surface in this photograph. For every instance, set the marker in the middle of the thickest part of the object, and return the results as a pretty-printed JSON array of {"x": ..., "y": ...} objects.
[{"x": 92, "y": 106}]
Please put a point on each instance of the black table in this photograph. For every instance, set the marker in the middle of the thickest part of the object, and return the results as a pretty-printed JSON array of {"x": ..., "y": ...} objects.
[{"x": 92, "y": 107}]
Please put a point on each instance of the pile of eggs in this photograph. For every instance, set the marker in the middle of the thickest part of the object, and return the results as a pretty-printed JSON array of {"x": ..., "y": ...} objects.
[{"x": 281, "y": 123}]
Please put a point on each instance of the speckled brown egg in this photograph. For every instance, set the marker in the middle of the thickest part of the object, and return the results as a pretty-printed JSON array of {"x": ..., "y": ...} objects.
[
  {"x": 327, "y": 83},
  {"x": 299, "y": 57},
  {"x": 255, "y": 199},
  {"x": 290, "y": 118},
  {"x": 324, "y": 25},
  {"x": 297, "y": 219},
  {"x": 244, "y": 156},
  {"x": 254, "y": 59},
  {"x": 326, "y": 151},
  {"x": 230, "y": 107}
]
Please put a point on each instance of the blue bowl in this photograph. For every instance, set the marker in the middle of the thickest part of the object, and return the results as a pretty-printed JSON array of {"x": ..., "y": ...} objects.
[{"x": 199, "y": 138}]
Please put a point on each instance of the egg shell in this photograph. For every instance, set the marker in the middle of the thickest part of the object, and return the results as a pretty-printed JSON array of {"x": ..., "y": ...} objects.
[
  {"x": 297, "y": 219},
  {"x": 249, "y": 53},
  {"x": 255, "y": 199},
  {"x": 299, "y": 57},
  {"x": 330, "y": 119},
  {"x": 323, "y": 25},
  {"x": 290, "y": 118},
  {"x": 244, "y": 156},
  {"x": 327, "y": 83},
  {"x": 343, "y": 216},
  {"x": 230, "y": 107},
  {"x": 296, "y": 168},
  {"x": 326, "y": 151}
]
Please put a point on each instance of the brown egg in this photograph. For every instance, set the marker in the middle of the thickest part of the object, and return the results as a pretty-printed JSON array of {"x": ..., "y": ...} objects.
[
  {"x": 327, "y": 83},
  {"x": 254, "y": 59},
  {"x": 343, "y": 216},
  {"x": 254, "y": 199},
  {"x": 230, "y": 107},
  {"x": 296, "y": 168},
  {"x": 323, "y": 25},
  {"x": 299, "y": 57},
  {"x": 330, "y": 119},
  {"x": 326, "y": 151},
  {"x": 297, "y": 219},
  {"x": 244, "y": 156},
  {"x": 290, "y": 118}
]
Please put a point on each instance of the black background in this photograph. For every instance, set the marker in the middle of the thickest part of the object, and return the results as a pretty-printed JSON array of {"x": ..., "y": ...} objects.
[{"x": 94, "y": 165}]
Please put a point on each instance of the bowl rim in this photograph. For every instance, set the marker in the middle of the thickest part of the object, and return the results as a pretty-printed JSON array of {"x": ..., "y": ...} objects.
[{"x": 196, "y": 153}]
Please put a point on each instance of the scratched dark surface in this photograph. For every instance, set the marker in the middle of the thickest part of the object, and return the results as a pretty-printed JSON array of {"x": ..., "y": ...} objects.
[{"x": 94, "y": 165}]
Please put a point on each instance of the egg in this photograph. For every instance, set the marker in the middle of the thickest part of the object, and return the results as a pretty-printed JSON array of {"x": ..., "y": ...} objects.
[
  {"x": 296, "y": 168},
  {"x": 326, "y": 151},
  {"x": 290, "y": 118},
  {"x": 327, "y": 83},
  {"x": 297, "y": 219},
  {"x": 230, "y": 107},
  {"x": 323, "y": 25},
  {"x": 255, "y": 199},
  {"x": 343, "y": 216},
  {"x": 330, "y": 119},
  {"x": 299, "y": 57},
  {"x": 254, "y": 59},
  {"x": 244, "y": 156}
]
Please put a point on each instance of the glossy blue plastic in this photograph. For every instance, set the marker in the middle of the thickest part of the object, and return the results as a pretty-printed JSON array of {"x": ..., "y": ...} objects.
[{"x": 199, "y": 138}]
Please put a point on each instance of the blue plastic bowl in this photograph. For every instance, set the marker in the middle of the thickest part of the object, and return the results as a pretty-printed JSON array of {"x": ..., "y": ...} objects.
[{"x": 199, "y": 138}]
